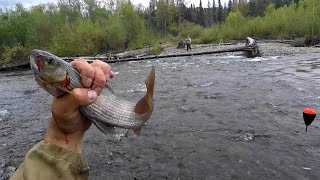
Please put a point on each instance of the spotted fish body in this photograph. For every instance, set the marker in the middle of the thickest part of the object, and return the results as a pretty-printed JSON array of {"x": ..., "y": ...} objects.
[{"x": 58, "y": 77}]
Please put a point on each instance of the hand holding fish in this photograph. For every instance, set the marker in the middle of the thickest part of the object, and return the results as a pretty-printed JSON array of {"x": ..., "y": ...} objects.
[
  {"x": 82, "y": 94},
  {"x": 67, "y": 126}
]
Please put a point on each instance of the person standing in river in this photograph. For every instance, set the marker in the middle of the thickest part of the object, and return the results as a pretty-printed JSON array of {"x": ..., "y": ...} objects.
[
  {"x": 188, "y": 43},
  {"x": 59, "y": 155}
]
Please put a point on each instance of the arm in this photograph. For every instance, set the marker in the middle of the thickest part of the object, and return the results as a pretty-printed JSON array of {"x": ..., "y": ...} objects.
[{"x": 58, "y": 156}]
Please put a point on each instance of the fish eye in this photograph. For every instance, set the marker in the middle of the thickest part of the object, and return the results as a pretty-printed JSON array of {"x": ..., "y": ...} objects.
[{"x": 49, "y": 60}]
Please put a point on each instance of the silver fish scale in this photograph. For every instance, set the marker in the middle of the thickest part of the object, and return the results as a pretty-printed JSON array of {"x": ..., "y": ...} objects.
[{"x": 108, "y": 109}]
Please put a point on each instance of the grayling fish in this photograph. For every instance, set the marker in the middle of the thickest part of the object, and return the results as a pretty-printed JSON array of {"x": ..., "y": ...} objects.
[{"x": 58, "y": 77}]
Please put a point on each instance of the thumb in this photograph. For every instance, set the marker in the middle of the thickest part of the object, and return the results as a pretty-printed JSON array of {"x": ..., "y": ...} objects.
[
  {"x": 84, "y": 96},
  {"x": 71, "y": 102}
]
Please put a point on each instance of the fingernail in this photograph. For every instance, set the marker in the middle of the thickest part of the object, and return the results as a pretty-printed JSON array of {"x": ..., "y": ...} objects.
[
  {"x": 92, "y": 95},
  {"x": 88, "y": 82},
  {"x": 112, "y": 74}
]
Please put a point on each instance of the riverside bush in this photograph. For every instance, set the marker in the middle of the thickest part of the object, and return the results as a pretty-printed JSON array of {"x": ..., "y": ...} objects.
[
  {"x": 284, "y": 22},
  {"x": 157, "y": 49},
  {"x": 191, "y": 29},
  {"x": 79, "y": 38},
  {"x": 15, "y": 55}
]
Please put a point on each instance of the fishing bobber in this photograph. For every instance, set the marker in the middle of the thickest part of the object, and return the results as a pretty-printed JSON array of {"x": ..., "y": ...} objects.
[{"x": 308, "y": 116}]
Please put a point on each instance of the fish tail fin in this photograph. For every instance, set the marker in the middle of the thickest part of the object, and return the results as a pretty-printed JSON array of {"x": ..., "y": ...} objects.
[
  {"x": 150, "y": 84},
  {"x": 145, "y": 105}
]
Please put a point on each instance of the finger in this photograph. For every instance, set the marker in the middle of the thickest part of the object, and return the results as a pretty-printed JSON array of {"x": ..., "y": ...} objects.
[
  {"x": 106, "y": 68},
  {"x": 99, "y": 80},
  {"x": 86, "y": 72}
]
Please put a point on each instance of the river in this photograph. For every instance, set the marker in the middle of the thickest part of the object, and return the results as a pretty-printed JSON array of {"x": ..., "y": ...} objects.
[{"x": 215, "y": 117}]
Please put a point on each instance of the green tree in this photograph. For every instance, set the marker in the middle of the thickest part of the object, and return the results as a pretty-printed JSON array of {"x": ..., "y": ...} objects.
[
  {"x": 229, "y": 6},
  {"x": 208, "y": 14},
  {"x": 44, "y": 26},
  {"x": 165, "y": 14},
  {"x": 220, "y": 12},
  {"x": 132, "y": 22},
  {"x": 78, "y": 38},
  {"x": 214, "y": 12},
  {"x": 201, "y": 18},
  {"x": 69, "y": 10}
]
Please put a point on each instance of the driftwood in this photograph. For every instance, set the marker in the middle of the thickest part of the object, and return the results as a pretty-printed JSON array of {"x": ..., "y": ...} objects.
[
  {"x": 181, "y": 45},
  {"x": 249, "y": 52},
  {"x": 15, "y": 66},
  {"x": 311, "y": 41},
  {"x": 133, "y": 54},
  {"x": 306, "y": 42}
]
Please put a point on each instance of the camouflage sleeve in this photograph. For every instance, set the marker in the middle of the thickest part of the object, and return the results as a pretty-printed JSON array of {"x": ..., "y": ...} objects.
[{"x": 47, "y": 161}]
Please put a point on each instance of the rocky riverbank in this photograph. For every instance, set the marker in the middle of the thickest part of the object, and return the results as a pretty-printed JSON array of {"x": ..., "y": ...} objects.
[{"x": 267, "y": 49}]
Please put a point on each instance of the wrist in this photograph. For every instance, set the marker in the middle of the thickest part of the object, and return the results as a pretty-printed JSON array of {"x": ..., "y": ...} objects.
[{"x": 71, "y": 142}]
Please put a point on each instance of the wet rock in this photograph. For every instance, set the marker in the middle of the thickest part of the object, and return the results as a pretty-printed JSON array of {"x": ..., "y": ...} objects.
[
  {"x": 187, "y": 109},
  {"x": 27, "y": 92},
  {"x": 4, "y": 114},
  {"x": 248, "y": 137},
  {"x": 4, "y": 134}
]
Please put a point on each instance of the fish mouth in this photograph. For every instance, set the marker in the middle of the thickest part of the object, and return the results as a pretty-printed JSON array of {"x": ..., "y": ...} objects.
[
  {"x": 37, "y": 64},
  {"x": 36, "y": 60},
  {"x": 34, "y": 63}
]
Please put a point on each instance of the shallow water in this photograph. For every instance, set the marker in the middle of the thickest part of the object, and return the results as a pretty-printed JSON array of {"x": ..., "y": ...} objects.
[{"x": 214, "y": 118}]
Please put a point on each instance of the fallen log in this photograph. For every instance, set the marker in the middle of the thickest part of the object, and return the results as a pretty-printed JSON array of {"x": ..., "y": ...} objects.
[
  {"x": 181, "y": 45},
  {"x": 249, "y": 52},
  {"x": 133, "y": 54},
  {"x": 14, "y": 66},
  {"x": 311, "y": 41}
]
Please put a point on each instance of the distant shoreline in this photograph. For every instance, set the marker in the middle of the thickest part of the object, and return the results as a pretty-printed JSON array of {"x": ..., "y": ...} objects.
[{"x": 267, "y": 47}]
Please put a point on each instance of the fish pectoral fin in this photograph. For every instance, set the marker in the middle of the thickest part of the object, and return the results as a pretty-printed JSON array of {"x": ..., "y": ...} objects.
[
  {"x": 106, "y": 129},
  {"x": 137, "y": 131},
  {"x": 115, "y": 132}
]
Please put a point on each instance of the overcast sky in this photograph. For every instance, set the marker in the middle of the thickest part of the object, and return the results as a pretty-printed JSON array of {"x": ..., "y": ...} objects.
[{"x": 28, "y": 3}]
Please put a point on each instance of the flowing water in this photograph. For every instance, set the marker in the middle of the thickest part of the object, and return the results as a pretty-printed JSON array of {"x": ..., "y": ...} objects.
[{"x": 215, "y": 117}]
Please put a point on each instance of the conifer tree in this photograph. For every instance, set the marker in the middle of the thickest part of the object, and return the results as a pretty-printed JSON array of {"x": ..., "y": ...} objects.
[
  {"x": 214, "y": 12},
  {"x": 201, "y": 18},
  {"x": 208, "y": 15},
  {"x": 220, "y": 12},
  {"x": 229, "y": 6}
]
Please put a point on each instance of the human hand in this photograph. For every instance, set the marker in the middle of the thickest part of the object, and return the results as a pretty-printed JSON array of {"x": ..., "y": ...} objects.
[{"x": 67, "y": 126}]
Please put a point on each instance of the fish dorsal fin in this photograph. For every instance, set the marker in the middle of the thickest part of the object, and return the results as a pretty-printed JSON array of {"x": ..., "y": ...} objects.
[{"x": 145, "y": 105}]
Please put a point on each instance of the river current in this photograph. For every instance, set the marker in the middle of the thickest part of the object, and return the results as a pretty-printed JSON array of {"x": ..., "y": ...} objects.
[{"x": 215, "y": 117}]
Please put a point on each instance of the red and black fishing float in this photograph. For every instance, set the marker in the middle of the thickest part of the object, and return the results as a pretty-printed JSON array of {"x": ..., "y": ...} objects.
[{"x": 308, "y": 116}]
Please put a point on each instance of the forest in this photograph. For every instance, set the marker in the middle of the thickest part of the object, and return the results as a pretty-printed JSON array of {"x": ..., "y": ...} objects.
[{"x": 90, "y": 27}]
